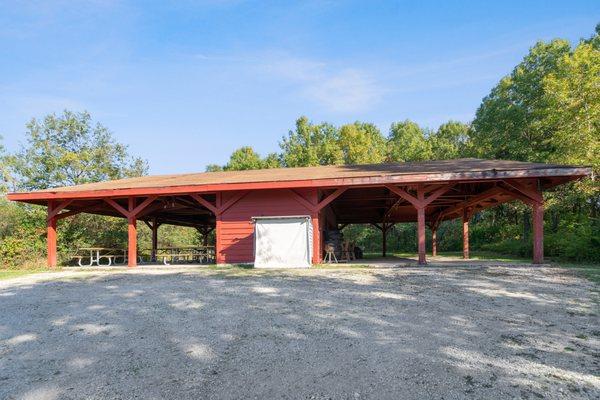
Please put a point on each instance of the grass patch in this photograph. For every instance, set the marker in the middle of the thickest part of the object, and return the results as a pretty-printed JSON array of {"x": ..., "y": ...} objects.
[
  {"x": 587, "y": 270},
  {"x": 15, "y": 273},
  {"x": 339, "y": 266},
  {"x": 474, "y": 255}
]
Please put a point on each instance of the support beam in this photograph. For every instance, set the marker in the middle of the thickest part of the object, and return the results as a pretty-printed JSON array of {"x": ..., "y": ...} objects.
[
  {"x": 67, "y": 214},
  {"x": 465, "y": 226},
  {"x": 472, "y": 202},
  {"x": 51, "y": 236},
  {"x": 234, "y": 199},
  {"x": 538, "y": 232},
  {"x": 316, "y": 256},
  {"x": 205, "y": 203},
  {"x": 434, "y": 241},
  {"x": 330, "y": 198},
  {"x": 118, "y": 207},
  {"x": 421, "y": 235},
  {"x": 58, "y": 208},
  {"x": 155, "y": 225},
  {"x": 219, "y": 259},
  {"x": 131, "y": 235},
  {"x": 533, "y": 193},
  {"x": 421, "y": 225},
  {"x": 313, "y": 208},
  {"x": 384, "y": 241}
]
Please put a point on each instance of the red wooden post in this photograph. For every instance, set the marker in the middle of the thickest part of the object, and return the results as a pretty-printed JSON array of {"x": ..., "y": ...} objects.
[
  {"x": 219, "y": 259},
  {"x": 421, "y": 225},
  {"x": 154, "y": 238},
  {"x": 51, "y": 237},
  {"x": 421, "y": 235},
  {"x": 465, "y": 226},
  {"x": 434, "y": 241},
  {"x": 316, "y": 256},
  {"x": 538, "y": 233},
  {"x": 132, "y": 235},
  {"x": 383, "y": 239}
]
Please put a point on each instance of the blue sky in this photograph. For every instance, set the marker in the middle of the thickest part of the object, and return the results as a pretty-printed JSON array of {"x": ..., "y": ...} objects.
[{"x": 184, "y": 83}]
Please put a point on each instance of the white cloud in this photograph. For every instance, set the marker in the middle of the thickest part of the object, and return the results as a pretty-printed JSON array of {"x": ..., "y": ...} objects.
[{"x": 343, "y": 90}]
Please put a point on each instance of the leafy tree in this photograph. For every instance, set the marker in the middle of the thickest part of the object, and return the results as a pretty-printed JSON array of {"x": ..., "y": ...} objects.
[
  {"x": 572, "y": 94},
  {"x": 310, "y": 145},
  {"x": 362, "y": 143},
  {"x": 510, "y": 123},
  {"x": 407, "y": 142},
  {"x": 70, "y": 150},
  {"x": 213, "y": 168},
  {"x": 243, "y": 158},
  {"x": 451, "y": 140},
  {"x": 5, "y": 177},
  {"x": 272, "y": 160}
]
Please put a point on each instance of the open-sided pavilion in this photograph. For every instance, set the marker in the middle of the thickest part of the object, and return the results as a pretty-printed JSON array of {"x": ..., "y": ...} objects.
[{"x": 332, "y": 196}]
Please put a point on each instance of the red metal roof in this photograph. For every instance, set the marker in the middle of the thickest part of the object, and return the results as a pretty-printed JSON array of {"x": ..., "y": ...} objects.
[{"x": 319, "y": 176}]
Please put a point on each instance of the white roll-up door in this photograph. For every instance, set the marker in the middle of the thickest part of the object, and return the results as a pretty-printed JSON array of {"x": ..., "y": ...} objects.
[{"x": 282, "y": 242}]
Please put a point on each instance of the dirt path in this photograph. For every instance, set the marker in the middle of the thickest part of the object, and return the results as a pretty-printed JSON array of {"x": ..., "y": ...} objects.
[{"x": 480, "y": 332}]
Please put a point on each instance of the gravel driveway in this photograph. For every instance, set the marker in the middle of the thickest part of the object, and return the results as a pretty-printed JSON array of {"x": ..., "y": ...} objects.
[{"x": 412, "y": 333}]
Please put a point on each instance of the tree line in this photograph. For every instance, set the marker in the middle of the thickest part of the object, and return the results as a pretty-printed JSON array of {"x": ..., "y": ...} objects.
[{"x": 546, "y": 110}]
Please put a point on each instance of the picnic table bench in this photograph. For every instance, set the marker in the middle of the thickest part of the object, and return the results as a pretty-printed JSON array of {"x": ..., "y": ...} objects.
[
  {"x": 95, "y": 255},
  {"x": 185, "y": 254}
]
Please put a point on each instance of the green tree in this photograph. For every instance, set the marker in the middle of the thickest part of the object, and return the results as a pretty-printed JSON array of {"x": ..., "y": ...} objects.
[
  {"x": 272, "y": 160},
  {"x": 5, "y": 177},
  {"x": 572, "y": 94},
  {"x": 62, "y": 150},
  {"x": 511, "y": 121},
  {"x": 69, "y": 150},
  {"x": 362, "y": 143},
  {"x": 310, "y": 145},
  {"x": 451, "y": 140},
  {"x": 243, "y": 158},
  {"x": 407, "y": 142},
  {"x": 213, "y": 168}
]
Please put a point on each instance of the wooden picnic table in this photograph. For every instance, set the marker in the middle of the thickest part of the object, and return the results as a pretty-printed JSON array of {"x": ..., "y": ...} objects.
[
  {"x": 185, "y": 253},
  {"x": 96, "y": 254}
]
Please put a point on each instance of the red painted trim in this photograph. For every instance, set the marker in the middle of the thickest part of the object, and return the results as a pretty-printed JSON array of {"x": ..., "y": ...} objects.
[{"x": 575, "y": 173}]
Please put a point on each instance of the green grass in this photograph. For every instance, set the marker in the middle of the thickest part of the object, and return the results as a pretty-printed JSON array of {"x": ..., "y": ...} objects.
[
  {"x": 15, "y": 273},
  {"x": 588, "y": 270},
  {"x": 475, "y": 255}
]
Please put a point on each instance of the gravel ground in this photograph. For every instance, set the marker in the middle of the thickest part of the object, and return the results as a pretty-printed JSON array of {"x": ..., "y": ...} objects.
[{"x": 436, "y": 333}]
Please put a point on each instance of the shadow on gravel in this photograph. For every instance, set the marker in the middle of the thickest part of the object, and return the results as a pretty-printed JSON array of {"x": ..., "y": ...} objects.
[{"x": 411, "y": 333}]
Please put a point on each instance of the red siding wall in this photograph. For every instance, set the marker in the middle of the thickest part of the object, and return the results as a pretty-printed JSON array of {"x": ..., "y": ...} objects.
[{"x": 236, "y": 231}]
